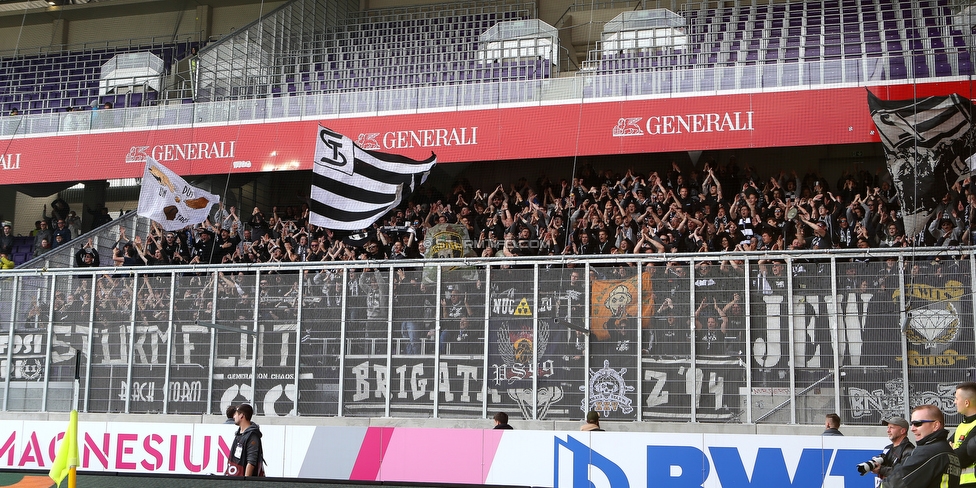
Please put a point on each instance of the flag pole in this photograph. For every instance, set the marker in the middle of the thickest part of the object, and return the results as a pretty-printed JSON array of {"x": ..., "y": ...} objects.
[
  {"x": 72, "y": 466},
  {"x": 77, "y": 384}
]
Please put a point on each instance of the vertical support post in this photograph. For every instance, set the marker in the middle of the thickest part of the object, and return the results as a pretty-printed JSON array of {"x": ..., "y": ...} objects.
[
  {"x": 50, "y": 336},
  {"x": 299, "y": 308},
  {"x": 389, "y": 338},
  {"x": 904, "y": 319},
  {"x": 691, "y": 383},
  {"x": 213, "y": 344},
  {"x": 535, "y": 341},
  {"x": 14, "y": 300},
  {"x": 438, "y": 287},
  {"x": 256, "y": 346},
  {"x": 586, "y": 323},
  {"x": 169, "y": 341},
  {"x": 790, "y": 337},
  {"x": 484, "y": 364},
  {"x": 132, "y": 338},
  {"x": 747, "y": 299},
  {"x": 342, "y": 337},
  {"x": 91, "y": 336},
  {"x": 835, "y": 336}
]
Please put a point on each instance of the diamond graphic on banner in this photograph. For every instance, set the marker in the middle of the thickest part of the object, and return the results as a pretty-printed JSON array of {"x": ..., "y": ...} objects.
[{"x": 934, "y": 328}]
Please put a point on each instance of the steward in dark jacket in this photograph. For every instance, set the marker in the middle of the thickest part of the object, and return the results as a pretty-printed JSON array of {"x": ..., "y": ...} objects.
[{"x": 931, "y": 465}]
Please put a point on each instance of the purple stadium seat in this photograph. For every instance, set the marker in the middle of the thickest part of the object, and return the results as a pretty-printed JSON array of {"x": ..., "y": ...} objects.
[
  {"x": 896, "y": 69},
  {"x": 965, "y": 65},
  {"x": 921, "y": 67}
]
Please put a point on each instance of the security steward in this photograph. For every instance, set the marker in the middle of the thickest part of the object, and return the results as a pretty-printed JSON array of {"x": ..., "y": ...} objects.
[{"x": 962, "y": 442}]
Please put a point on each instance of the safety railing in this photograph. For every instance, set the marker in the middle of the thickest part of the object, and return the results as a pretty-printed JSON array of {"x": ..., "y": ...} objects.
[{"x": 749, "y": 338}]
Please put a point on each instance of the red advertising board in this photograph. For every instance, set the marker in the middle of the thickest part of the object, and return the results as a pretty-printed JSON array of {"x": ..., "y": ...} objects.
[{"x": 753, "y": 120}]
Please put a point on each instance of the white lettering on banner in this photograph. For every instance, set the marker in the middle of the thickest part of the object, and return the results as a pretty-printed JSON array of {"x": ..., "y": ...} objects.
[
  {"x": 184, "y": 152},
  {"x": 141, "y": 392},
  {"x": 509, "y": 373},
  {"x": 23, "y": 344},
  {"x": 411, "y": 382},
  {"x": 688, "y": 123},
  {"x": 699, "y": 123},
  {"x": 457, "y": 136},
  {"x": 24, "y": 369},
  {"x": 272, "y": 395},
  {"x": 681, "y": 124},
  {"x": 9, "y": 161},
  {"x": 122, "y": 451},
  {"x": 185, "y": 391}
]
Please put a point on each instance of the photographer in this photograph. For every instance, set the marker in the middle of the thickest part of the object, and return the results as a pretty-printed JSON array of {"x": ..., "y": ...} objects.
[{"x": 893, "y": 453}]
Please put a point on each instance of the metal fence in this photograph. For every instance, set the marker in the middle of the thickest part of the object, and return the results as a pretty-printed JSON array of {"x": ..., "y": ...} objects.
[{"x": 751, "y": 338}]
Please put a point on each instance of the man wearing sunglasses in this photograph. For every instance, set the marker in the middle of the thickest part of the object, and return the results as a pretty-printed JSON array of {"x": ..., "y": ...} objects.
[
  {"x": 962, "y": 439},
  {"x": 932, "y": 464}
]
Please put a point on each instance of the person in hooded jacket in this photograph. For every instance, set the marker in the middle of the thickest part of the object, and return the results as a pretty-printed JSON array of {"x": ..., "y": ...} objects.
[{"x": 246, "y": 449}]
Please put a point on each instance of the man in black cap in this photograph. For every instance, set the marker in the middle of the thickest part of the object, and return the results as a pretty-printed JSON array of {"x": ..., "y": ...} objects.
[{"x": 899, "y": 448}]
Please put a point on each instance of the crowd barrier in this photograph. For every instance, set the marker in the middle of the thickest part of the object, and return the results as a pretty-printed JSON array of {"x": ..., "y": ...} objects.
[{"x": 744, "y": 339}]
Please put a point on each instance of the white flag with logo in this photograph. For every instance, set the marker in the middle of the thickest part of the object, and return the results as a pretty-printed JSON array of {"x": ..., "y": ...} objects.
[
  {"x": 170, "y": 200},
  {"x": 353, "y": 187}
]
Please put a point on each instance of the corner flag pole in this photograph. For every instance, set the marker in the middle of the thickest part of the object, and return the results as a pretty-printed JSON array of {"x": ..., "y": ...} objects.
[{"x": 73, "y": 463}]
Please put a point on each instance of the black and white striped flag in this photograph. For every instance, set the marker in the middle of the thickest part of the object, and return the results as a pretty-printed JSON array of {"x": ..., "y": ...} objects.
[
  {"x": 929, "y": 145},
  {"x": 353, "y": 187}
]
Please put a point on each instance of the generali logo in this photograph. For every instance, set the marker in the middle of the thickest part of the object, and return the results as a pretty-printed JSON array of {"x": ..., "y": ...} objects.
[
  {"x": 9, "y": 161},
  {"x": 684, "y": 124},
  {"x": 406, "y": 139},
  {"x": 182, "y": 152}
]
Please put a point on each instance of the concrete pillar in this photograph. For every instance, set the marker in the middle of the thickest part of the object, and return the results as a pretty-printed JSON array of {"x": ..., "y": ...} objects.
[
  {"x": 94, "y": 200},
  {"x": 59, "y": 32},
  {"x": 203, "y": 23}
]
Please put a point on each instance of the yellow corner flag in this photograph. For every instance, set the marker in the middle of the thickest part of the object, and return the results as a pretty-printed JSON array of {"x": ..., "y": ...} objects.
[{"x": 67, "y": 457}]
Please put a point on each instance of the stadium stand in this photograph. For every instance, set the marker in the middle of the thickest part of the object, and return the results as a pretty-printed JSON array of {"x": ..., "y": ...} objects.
[
  {"x": 375, "y": 49},
  {"x": 772, "y": 45},
  {"x": 747, "y": 46},
  {"x": 73, "y": 77}
]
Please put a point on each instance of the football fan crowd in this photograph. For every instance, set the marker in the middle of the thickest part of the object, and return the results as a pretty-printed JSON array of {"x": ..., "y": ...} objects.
[{"x": 715, "y": 209}]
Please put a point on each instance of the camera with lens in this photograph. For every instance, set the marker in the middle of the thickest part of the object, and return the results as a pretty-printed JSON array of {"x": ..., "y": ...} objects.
[{"x": 870, "y": 465}]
